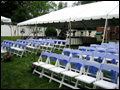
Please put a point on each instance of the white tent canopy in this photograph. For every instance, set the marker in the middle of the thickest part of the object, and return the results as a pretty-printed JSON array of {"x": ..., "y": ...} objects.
[
  {"x": 87, "y": 15},
  {"x": 5, "y": 20}
]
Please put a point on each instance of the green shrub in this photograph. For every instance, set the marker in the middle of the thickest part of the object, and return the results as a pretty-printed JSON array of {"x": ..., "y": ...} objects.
[{"x": 51, "y": 31}]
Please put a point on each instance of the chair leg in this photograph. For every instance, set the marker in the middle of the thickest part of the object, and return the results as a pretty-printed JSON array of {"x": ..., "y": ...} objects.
[
  {"x": 62, "y": 81},
  {"x": 42, "y": 73},
  {"x": 51, "y": 77},
  {"x": 76, "y": 84},
  {"x": 94, "y": 87}
]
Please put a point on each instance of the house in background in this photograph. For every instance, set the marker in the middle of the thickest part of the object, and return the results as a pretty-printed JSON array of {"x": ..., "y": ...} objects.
[{"x": 112, "y": 34}]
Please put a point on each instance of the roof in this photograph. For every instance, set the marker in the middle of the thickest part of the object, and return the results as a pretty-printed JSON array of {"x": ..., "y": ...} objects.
[{"x": 87, "y": 15}]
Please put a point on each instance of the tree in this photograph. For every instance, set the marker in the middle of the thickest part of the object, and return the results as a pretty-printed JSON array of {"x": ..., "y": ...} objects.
[
  {"x": 62, "y": 5},
  {"x": 20, "y": 11}
]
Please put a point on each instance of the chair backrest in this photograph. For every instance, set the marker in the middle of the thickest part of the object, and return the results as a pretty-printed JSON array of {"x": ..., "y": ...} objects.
[
  {"x": 44, "y": 54},
  {"x": 101, "y": 50},
  {"x": 82, "y": 48},
  {"x": 94, "y": 45},
  {"x": 112, "y": 58},
  {"x": 111, "y": 46},
  {"x": 76, "y": 53},
  {"x": 54, "y": 58},
  {"x": 67, "y": 51},
  {"x": 88, "y": 55},
  {"x": 100, "y": 56},
  {"x": 93, "y": 68},
  {"x": 63, "y": 60},
  {"x": 112, "y": 51},
  {"x": 112, "y": 70},
  {"x": 92, "y": 49},
  {"x": 76, "y": 63},
  {"x": 104, "y": 44}
]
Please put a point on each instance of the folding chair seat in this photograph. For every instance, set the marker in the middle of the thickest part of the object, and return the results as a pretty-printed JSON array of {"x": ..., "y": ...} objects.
[
  {"x": 98, "y": 57},
  {"x": 43, "y": 59},
  {"x": 91, "y": 49},
  {"x": 101, "y": 50},
  {"x": 51, "y": 63},
  {"x": 82, "y": 48},
  {"x": 90, "y": 74},
  {"x": 75, "y": 63},
  {"x": 87, "y": 55},
  {"x": 76, "y": 53},
  {"x": 67, "y": 52},
  {"x": 111, "y": 59},
  {"x": 112, "y": 51},
  {"x": 106, "y": 82},
  {"x": 63, "y": 44}
]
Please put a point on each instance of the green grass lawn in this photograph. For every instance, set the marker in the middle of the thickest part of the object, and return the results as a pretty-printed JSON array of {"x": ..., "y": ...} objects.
[{"x": 16, "y": 73}]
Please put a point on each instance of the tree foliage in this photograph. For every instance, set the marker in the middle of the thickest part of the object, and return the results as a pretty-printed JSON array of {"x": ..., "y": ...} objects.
[
  {"x": 20, "y": 11},
  {"x": 62, "y": 5}
]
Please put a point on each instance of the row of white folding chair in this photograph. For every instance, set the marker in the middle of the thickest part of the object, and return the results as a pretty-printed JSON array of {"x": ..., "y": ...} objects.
[
  {"x": 60, "y": 44},
  {"x": 47, "y": 46},
  {"x": 33, "y": 47},
  {"x": 93, "y": 56},
  {"x": 101, "y": 49},
  {"x": 18, "y": 48},
  {"x": 87, "y": 76}
]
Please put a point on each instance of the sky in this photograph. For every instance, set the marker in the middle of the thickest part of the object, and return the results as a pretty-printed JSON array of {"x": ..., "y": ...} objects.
[{"x": 69, "y": 2}]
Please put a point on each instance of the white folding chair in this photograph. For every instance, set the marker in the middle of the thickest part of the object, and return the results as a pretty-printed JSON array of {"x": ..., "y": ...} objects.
[
  {"x": 101, "y": 50},
  {"x": 111, "y": 59},
  {"x": 63, "y": 44},
  {"x": 51, "y": 63},
  {"x": 50, "y": 46},
  {"x": 20, "y": 49},
  {"x": 76, "y": 53},
  {"x": 67, "y": 52},
  {"x": 82, "y": 48},
  {"x": 91, "y": 49},
  {"x": 94, "y": 45},
  {"x": 57, "y": 44},
  {"x": 32, "y": 48},
  {"x": 58, "y": 69},
  {"x": 43, "y": 59},
  {"x": 98, "y": 57},
  {"x": 106, "y": 82},
  {"x": 112, "y": 51},
  {"x": 90, "y": 75},
  {"x": 75, "y": 63},
  {"x": 87, "y": 55}
]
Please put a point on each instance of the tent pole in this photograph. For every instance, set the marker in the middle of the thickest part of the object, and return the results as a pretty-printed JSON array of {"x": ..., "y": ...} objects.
[
  {"x": 70, "y": 35},
  {"x": 104, "y": 29}
]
